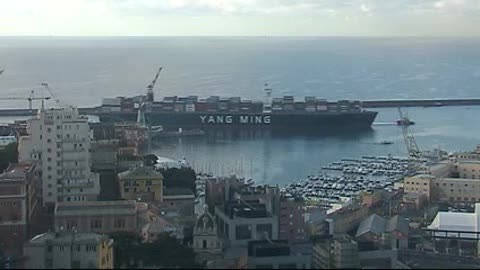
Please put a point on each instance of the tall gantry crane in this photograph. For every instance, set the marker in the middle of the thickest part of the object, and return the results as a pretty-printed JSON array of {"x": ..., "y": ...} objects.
[
  {"x": 152, "y": 85},
  {"x": 410, "y": 142}
]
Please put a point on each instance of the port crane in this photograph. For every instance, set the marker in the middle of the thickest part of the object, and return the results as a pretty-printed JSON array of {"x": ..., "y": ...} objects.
[
  {"x": 410, "y": 142},
  {"x": 47, "y": 87},
  {"x": 152, "y": 85},
  {"x": 30, "y": 99}
]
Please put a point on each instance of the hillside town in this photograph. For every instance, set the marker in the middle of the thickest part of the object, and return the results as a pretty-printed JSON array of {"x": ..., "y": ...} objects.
[{"x": 80, "y": 195}]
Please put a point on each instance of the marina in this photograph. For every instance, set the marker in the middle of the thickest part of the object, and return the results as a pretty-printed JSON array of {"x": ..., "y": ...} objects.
[{"x": 341, "y": 181}]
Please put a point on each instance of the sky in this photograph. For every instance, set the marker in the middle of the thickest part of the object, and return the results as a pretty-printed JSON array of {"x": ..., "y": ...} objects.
[{"x": 239, "y": 17}]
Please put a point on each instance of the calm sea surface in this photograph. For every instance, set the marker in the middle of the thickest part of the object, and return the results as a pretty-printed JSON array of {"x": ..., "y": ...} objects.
[{"x": 83, "y": 70}]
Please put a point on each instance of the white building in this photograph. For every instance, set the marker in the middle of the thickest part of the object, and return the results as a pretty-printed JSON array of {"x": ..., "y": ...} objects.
[
  {"x": 60, "y": 140},
  {"x": 464, "y": 225}
]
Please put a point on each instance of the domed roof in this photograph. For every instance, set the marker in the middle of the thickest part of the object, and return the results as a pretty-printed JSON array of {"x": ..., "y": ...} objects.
[{"x": 205, "y": 222}]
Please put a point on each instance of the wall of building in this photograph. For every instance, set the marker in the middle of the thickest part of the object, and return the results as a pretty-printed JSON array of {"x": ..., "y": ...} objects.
[
  {"x": 132, "y": 189},
  {"x": 230, "y": 226},
  {"x": 458, "y": 190},
  {"x": 68, "y": 255},
  {"x": 60, "y": 139},
  {"x": 292, "y": 225},
  {"x": 467, "y": 170},
  {"x": 420, "y": 184}
]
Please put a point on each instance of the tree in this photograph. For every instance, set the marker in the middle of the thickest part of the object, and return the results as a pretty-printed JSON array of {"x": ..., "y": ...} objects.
[
  {"x": 179, "y": 178},
  {"x": 8, "y": 155}
]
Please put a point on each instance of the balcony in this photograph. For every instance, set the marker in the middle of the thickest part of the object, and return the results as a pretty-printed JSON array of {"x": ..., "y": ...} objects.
[{"x": 89, "y": 184}]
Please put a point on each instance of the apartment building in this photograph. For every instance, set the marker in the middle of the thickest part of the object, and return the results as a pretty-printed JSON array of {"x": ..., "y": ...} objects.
[
  {"x": 141, "y": 183},
  {"x": 18, "y": 206},
  {"x": 69, "y": 250},
  {"x": 59, "y": 139},
  {"x": 97, "y": 217}
]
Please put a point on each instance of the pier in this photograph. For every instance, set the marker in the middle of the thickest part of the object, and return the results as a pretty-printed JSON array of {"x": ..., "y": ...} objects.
[{"x": 392, "y": 103}]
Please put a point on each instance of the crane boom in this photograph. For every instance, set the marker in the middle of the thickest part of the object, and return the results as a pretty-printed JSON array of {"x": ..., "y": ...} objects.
[
  {"x": 30, "y": 99},
  {"x": 46, "y": 86},
  {"x": 152, "y": 85}
]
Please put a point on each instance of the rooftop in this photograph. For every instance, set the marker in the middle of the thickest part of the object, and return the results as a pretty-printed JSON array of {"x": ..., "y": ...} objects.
[
  {"x": 177, "y": 191},
  {"x": 140, "y": 173},
  {"x": 67, "y": 237},
  {"x": 265, "y": 248},
  {"x": 251, "y": 209},
  {"x": 453, "y": 221},
  {"x": 378, "y": 225},
  {"x": 95, "y": 208},
  {"x": 17, "y": 171}
]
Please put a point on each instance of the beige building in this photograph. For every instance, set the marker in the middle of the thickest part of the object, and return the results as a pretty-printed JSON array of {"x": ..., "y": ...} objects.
[
  {"x": 455, "y": 181},
  {"x": 69, "y": 250},
  {"x": 98, "y": 217},
  {"x": 419, "y": 184},
  {"x": 141, "y": 183}
]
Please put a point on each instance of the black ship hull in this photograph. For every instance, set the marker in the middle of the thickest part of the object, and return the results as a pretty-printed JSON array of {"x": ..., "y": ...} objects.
[{"x": 276, "y": 121}]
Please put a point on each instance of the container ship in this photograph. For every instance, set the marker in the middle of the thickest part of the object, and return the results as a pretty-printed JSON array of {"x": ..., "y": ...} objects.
[{"x": 193, "y": 112}]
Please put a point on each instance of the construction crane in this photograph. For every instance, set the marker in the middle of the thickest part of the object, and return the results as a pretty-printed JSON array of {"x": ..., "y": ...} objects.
[
  {"x": 152, "y": 85},
  {"x": 410, "y": 142},
  {"x": 47, "y": 87},
  {"x": 30, "y": 99}
]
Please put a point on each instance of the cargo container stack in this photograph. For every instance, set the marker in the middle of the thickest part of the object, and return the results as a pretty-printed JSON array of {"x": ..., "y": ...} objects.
[
  {"x": 322, "y": 105},
  {"x": 234, "y": 104},
  {"x": 277, "y": 105},
  {"x": 288, "y": 103}
]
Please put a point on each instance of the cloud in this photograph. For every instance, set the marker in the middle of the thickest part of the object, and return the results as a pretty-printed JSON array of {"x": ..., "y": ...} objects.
[
  {"x": 168, "y": 17},
  {"x": 364, "y": 8}
]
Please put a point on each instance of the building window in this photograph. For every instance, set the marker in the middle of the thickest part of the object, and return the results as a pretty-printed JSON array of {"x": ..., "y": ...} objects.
[
  {"x": 91, "y": 248},
  {"x": 49, "y": 150},
  {"x": 125, "y": 190},
  {"x": 49, "y": 130},
  {"x": 243, "y": 232},
  {"x": 119, "y": 223},
  {"x": 96, "y": 224},
  {"x": 204, "y": 244},
  {"x": 76, "y": 264}
]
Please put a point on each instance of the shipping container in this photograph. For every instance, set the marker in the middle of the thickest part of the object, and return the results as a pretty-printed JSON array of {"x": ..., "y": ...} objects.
[
  {"x": 288, "y": 107},
  {"x": 170, "y": 99},
  {"x": 322, "y": 108},
  {"x": 212, "y": 106},
  {"x": 310, "y": 99},
  {"x": 257, "y": 106},
  {"x": 299, "y": 106},
  {"x": 189, "y": 107},
  {"x": 235, "y": 100},
  {"x": 201, "y": 106},
  {"x": 111, "y": 101},
  {"x": 179, "y": 107}
]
